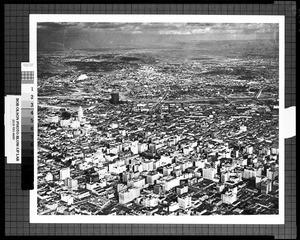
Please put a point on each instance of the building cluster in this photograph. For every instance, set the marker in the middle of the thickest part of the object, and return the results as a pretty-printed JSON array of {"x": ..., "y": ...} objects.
[
  {"x": 105, "y": 149},
  {"x": 137, "y": 170}
]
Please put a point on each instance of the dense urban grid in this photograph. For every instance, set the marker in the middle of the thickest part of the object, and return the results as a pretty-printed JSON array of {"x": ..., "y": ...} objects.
[{"x": 165, "y": 132}]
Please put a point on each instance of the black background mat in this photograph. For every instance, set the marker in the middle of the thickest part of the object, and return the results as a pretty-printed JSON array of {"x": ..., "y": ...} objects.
[{"x": 16, "y": 50}]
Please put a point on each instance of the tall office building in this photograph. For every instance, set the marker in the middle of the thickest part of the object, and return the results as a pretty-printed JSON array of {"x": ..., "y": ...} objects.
[
  {"x": 137, "y": 182},
  {"x": 64, "y": 173},
  {"x": 209, "y": 173},
  {"x": 171, "y": 183},
  {"x": 128, "y": 195},
  {"x": 266, "y": 186},
  {"x": 184, "y": 201},
  {"x": 181, "y": 189},
  {"x": 151, "y": 177},
  {"x": 71, "y": 183},
  {"x": 80, "y": 114},
  {"x": 114, "y": 98},
  {"x": 157, "y": 189},
  {"x": 229, "y": 197}
]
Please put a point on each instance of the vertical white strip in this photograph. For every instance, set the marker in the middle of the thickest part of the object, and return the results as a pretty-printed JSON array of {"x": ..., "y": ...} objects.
[
  {"x": 33, "y": 60},
  {"x": 33, "y": 38},
  {"x": 281, "y": 116}
]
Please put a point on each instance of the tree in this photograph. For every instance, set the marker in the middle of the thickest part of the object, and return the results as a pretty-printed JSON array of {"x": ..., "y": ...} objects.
[{"x": 66, "y": 115}]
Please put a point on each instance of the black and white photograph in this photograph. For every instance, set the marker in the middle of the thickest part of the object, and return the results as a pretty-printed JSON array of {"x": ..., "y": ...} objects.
[{"x": 158, "y": 119}]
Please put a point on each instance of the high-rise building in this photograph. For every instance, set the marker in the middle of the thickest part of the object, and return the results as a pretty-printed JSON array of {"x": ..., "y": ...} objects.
[
  {"x": 121, "y": 187},
  {"x": 229, "y": 197},
  {"x": 142, "y": 147},
  {"x": 64, "y": 173},
  {"x": 125, "y": 176},
  {"x": 152, "y": 148},
  {"x": 266, "y": 186},
  {"x": 94, "y": 177},
  {"x": 184, "y": 201},
  {"x": 209, "y": 173},
  {"x": 170, "y": 183},
  {"x": 272, "y": 173},
  {"x": 167, "y": 170},
  {"x": 137, "y": 182},
  {"x": 71, "y": 183},
  {"x": 181, "y": 189},
  {"x": 164, "y": 160},
  {"x": 80, "y": 114},
  {"x": 157, "y": 189},
  {"x": 128, "y": 195},
  {"x": 134, "y": 147},
  {"x": 249, "y": 173},
  {"x": 224, "y": 176},
  {"x": 150, "y": 201},
  {"x": 258, "y": 182},
  {"x": 67, "y": 198},
  {"x": 249, "y": 149},
  {"x": 152, "y": 176},
  {"x": 147, "y": 165},
  {"x": 114, "y": 98}
]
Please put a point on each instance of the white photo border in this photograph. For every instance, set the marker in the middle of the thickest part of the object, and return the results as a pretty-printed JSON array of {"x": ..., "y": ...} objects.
[{"x": 34, "y": 19}]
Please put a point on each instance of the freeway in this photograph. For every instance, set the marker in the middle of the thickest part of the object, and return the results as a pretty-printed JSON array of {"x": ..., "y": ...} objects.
[
  {"x": 162, "y": 100},
  {"x": 198, "y": 100}
]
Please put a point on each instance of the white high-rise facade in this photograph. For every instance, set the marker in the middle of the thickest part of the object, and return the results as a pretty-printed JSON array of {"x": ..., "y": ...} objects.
[
  {"x": 80, "y": 114},
  {"x": 64, "y": 173}
]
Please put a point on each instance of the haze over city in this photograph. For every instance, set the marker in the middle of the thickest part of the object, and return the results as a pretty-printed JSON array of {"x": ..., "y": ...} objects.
[{"x": 147, "y": 35}]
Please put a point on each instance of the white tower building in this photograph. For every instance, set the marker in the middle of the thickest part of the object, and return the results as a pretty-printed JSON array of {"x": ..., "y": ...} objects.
[{"x": 80, "y": 114}]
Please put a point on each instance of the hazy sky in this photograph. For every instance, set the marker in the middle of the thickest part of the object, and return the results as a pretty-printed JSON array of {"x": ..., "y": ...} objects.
[{"x": 101, "y": 35}]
